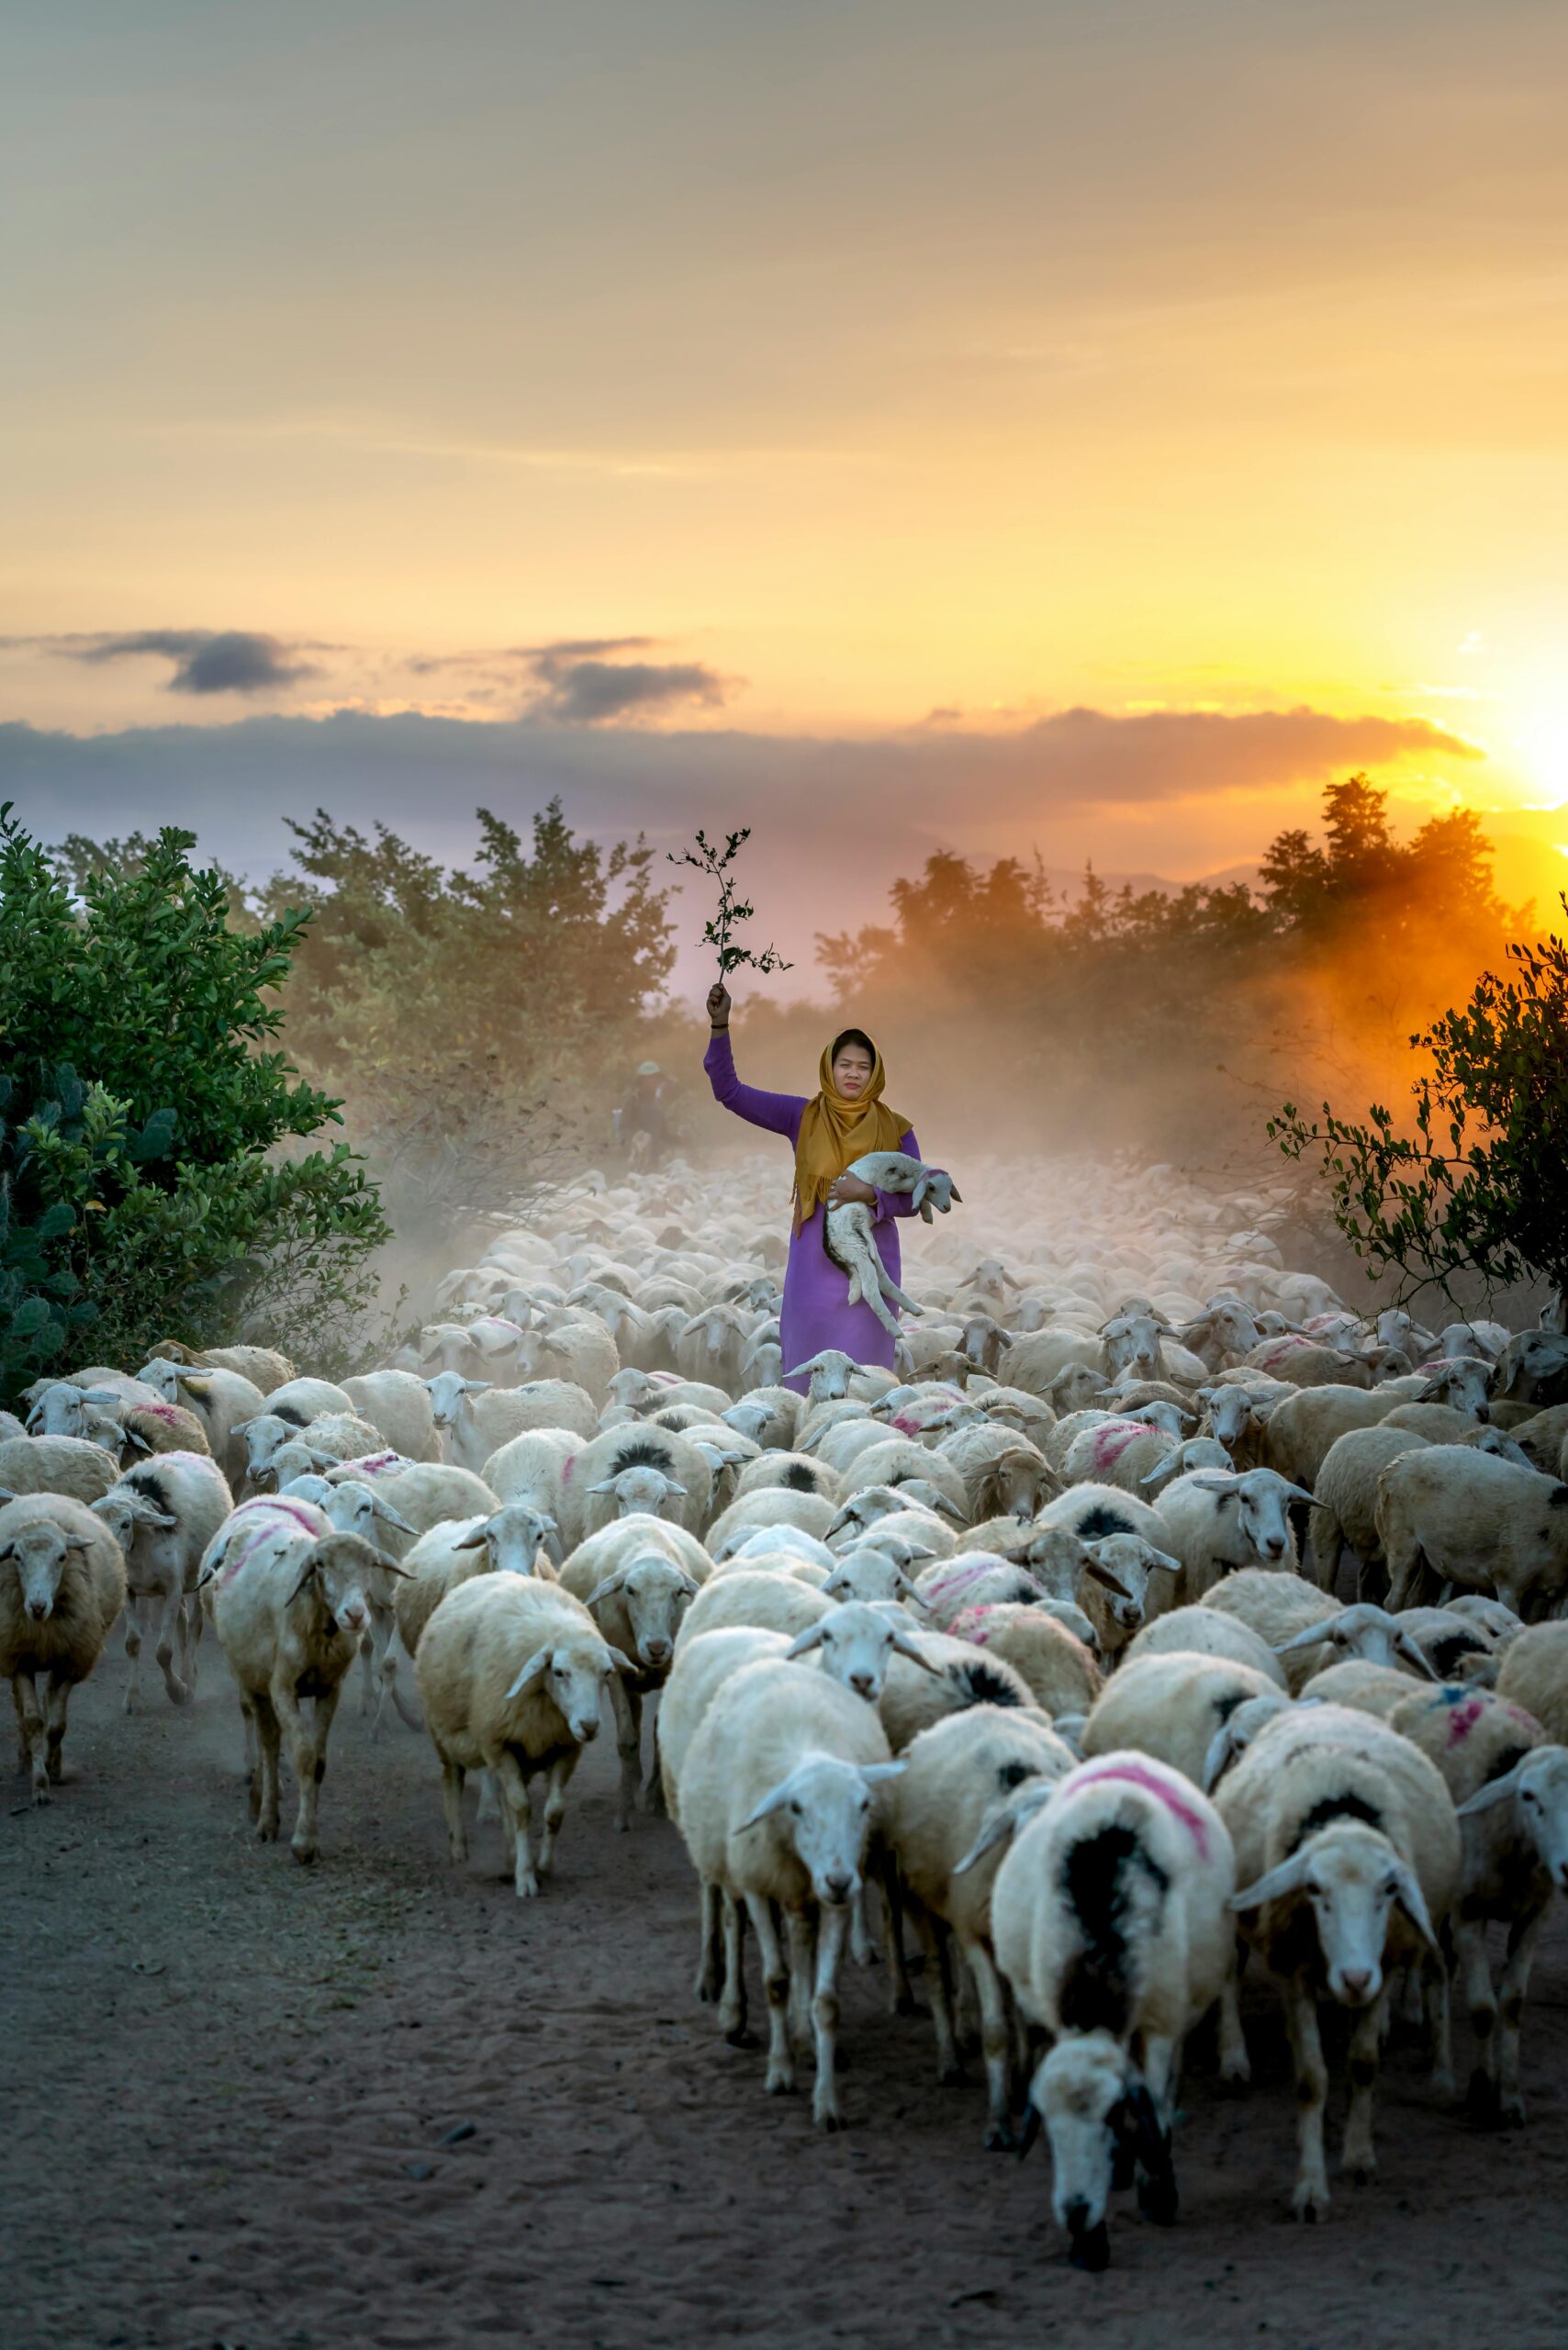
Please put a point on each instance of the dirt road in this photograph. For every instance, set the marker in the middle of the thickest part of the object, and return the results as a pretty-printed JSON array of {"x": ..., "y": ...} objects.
[{"x": 383, "y": 2102}]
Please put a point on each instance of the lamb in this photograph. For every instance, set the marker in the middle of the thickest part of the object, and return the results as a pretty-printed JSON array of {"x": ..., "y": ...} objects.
[
  {"x": 61, "y": 1586},
  {"x": 1534, "y": 1674},
  {"x": 1109, "y": 1917},
  {"x": 638, "y": 1606},
  {"x": 958, "y": 1770},
  {"x": 55, "y": 1464},
  {"x": 163, "y": 1515},
  {"x": 477, "y": 1418},
  {"x": 1215, "y": 1522},
  {"x": 1472, "y": 1521},
  {"x": 849, "y": 1232},
  {"x": 1206, "y": 1631},
  {"x": 776, "y": 1805},
  {"x": 1348, "y": 1862},
  {"x": 290, "y": 1612},
  {"x": 512, "y": 1672},
  {"x": 1510, "y": 1789},
  {"x": 507, "y": 1542},
  {"x": 1174, "y": 1707}
]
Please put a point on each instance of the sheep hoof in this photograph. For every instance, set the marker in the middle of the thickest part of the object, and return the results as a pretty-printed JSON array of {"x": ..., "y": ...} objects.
[
  {"x": 1000, "y": 2139},
  {"x": 303, "y": 1854},
  {"x": 828, "y": 2122},
  {"x": 904, "y": 2005},
  {"x": 737, "y": 2035},
  {"x": 1310, "y": 2204},
  {"x": 1362, "y": 2173},
  {"x": 951, "y": 2077},
  {"x": 266, "y": 1831}
]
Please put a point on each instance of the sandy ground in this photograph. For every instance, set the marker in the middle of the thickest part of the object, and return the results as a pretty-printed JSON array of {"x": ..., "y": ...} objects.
[{"x": 384, "y": 2102}]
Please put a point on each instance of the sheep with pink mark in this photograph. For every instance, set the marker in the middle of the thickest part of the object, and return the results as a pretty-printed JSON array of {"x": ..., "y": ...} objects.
[{"x": 163, "y": 1514}]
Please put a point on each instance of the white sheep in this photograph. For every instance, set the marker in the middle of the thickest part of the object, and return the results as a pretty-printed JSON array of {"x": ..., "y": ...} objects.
[
  {"x": 477, "y": 1419},
  {"x": 163, "y": 1515},
  {"x": 512, "y": 1675},
  {"x": 1534, "y": 1674},
  {"x": 1206, "y": 1631},
  {"x": 776, "y": 1805},
  {"x": 55, "y": 1464},
  {"x": 1111, "y": 1921},
  {"x": 1463, "y": 1518},
  {"x": 638, "y": 1605},
  {"x": 1174, "y": 1707},
  {"x": 1348, "y": 1862},
  {"x": 222, "y": 1400},
  {"x": 849, "y": 1232},
  {"x": 1058, "y": 1666},
  {"x": 773, "y": 1602},
  {"x": 397, "y": 1404},
  {"x": 61, "y": 1586},
  {"x": 507, "y": 1542},
  {"x": 1214, "y": 1522}
]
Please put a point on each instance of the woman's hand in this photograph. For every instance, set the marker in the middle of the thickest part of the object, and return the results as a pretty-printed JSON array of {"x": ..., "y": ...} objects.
[
  {"x": 718, "y": 1006},
  {"x": 852, "y": 1187}
]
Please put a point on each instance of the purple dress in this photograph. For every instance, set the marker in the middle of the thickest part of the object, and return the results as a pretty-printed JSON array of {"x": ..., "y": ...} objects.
[{"x": 816, "y": 1312}]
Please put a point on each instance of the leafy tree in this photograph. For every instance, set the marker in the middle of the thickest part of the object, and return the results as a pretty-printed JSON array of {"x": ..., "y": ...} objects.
[
  {"x": 153, "y": 1173},
  {"x": 1478, "y": 1181}
]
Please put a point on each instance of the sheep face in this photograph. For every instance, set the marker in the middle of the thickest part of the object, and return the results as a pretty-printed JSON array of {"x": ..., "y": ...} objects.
[
  {"x": 39, "y": 1552},
  {"x": 643, "y": 1491},
  {"x": 1235, "y": 1734},
  {"x": 123, "y": 1509},
  {"x": 1132, "y": 1563},
  {"x": 1098, "y": 2118},
  {"x": 1368, "y": 1632},
  {"x": 572, "y": 1675},
  {"x": 857, "y": 1643},
  {"x": 335, "y": 1568},
  {"x": 656, "y": 1595},
  {"x": 870, "y": 1574},
  {"x": 1352, "y": 1879},
  {"x": 354, "y": 1506},
  {"x": 1537, "y": 1788},
  {"x": 824, "y": 1810},
  {"x": 447, "y": 1390}
]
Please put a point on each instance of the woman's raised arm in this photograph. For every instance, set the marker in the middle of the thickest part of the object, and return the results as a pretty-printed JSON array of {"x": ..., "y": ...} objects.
[{"x": 779, "y": 1114}]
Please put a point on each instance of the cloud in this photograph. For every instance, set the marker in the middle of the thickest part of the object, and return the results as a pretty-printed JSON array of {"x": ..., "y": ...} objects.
[
  {"x": 582, "y": 648},
  {"x": 835, "y": 820},
  {"x": 589, "y": 692},
  {"x": 207, "y": 661}
]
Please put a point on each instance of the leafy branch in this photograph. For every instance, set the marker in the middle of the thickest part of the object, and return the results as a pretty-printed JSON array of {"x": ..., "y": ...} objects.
[{"x": 718, "y": 931}]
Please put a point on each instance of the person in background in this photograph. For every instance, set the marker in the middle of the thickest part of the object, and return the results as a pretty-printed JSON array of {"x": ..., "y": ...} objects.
[
  {"x": 843, "y": 1119},
  {"x": 643, "y": 1112}
]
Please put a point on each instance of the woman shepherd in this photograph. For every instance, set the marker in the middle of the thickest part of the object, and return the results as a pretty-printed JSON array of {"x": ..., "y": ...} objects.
[{"x": 843, "y": 1120}]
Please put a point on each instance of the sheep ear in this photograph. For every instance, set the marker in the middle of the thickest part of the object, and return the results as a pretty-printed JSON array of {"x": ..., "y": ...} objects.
[
  {"x": 605, "y": 1485},
  {"x": 1412, "y": 1900},
  {"x": 607, "y": 1589},
  {"x": 946, "y": 1508},
  {"x": 1001, "y": 1828},
  {"x": 877, "y": 1774},
  {"x": 907, "y": 1645},
  {"x": 619, "y": 1661},
  {"x": 1158, "y": 1560},
  {"x": 1216, "y": 1758},
  {"x": 1495, "y": 1791},
  {"x": 1289, "y": 1878},
  {"x": 772, "y": 1802},
  {"x": 1102, "y": 1574},
  {"x": 538, "y": 1664},
  {"x": 690, "y": 1585},
  {"x": 812, "y": 1638},
  {"x": 385, "y": 1510},
  {"x": 473, "y": 1540},
  {"x": 1311, "y": 1636},
  {"x": 310, "y": 1568},
  {"x": 194, "y": 1383},
  {"x": 1413, "y": 1654},
  {"x": 955, "y": 1193},
  {"x": 390, "y": 1567},
  {"x": 475, "y": 1386},
  {"x": 671, "y": 1487},
  {"x": 1299, "y": 1493},
  {"x": 133, "y": 1438}
]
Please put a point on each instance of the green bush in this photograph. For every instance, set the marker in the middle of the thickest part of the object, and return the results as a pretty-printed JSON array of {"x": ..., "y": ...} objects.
[{"x": 153, "y": 1175}]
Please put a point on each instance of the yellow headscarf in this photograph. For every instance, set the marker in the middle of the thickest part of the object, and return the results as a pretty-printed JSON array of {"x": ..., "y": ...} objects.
[{"x": 836, "y": 1130}]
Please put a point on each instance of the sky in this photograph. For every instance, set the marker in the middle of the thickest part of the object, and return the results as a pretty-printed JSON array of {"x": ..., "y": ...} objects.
[{"x": 1060, "y": 427}]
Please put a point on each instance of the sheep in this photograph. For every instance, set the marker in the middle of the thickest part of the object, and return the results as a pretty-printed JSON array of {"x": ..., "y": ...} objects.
[
  {"x": 958, "y": 1770},
  {"x": 1364, "y": 1630},
  {"x": 1300, "y": 1430},
  {"x": 530, "y": 1469},
  {"x": 702, "y": 1664},
  {"x": 289, "y": 1613},
  {"x": 898, "y": 1464},
  {"x": 637, "y": 1468},
  {"x": 1214, "y": 1522},
  {"x": 477, "y": 1418},
  {"x": 870, "y": 1573},
  {"x": 1533, "y": 1369},
  {"x": 56, "y": 1464},
  {"x": 579, "y": 1353},
  {"x": 796, "y": 1472},
  {"x": 1348, "y": 1859},
  {"x": 263, "y": 1366},
  {"x": 222, "y": 1400},
  {"x": 163, "y": 1515},
  {"x": 426, "y": 1493},
  {"x": 895, "y": 1508},
  {"x": 777, "y": 1805},
  {"x": 397, "y": 1405},
  {"x": 507, "y": 1542},
  {"x": 1193, "y": 1452},
  {"x": 1281, "y": 1608},
  {"x": 1439, "y": 1423},
  {"x": 1510, "y": 1789},
  {"x": 1302, "y": 1363},
  {"x": 62, "y": 1587},
  {"x": 1174, "y": 1707},
  {"x": 1542, "y": 1438},
  {"x": 638, "y": 1606},
  {"x": 1118, "y": 1452},
  {"x": 1462, "y": 1517},
  {"x": 304, "y": 1400},
  {"x": 162, "y": 1427},
  {"x": 774, "y": 1602},
  {"x": 1205, "y": 1631},
  {"x": 1345, "y": 1500},
  {"x": 91, "y": 1414},
  {"x": 1058, "y": 1668},
  {"x": 1092, "y": 1511},
  {"x": 913, "y": 1696},
  {"x": 1110, "y": 1919},
  {"x": 1534, "y": 1674},
  {"x": 512, "y": 1672},
  {"x": 811, "y": 1512},
  {"x": 849, "y": 1232},
  {"x": 1004, "y": 1475}
]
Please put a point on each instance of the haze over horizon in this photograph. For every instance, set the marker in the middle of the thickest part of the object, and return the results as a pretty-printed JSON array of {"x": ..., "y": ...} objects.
[{"x": 1031, "y": 430}]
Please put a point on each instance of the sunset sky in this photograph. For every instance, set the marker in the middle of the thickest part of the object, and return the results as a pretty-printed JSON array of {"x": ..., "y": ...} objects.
[{"x": 1081, "y": 427}]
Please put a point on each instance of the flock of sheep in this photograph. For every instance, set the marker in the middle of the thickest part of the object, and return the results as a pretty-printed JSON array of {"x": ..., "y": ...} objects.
[{"x": 1036, "y": 1652}]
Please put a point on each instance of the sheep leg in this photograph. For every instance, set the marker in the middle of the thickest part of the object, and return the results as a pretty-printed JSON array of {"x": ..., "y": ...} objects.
[
  {"x": 133, "y": 1650},
  {"x": 33, "y": 1733},
  {"x": 776, "y": 1982},
  {"x": 512, "y": 1788},
  {"x": 891, "y": 1289},
  {"x": 265, "y": 1811},
  {"x": 24, "y": 1744},
  {"x": 190, "y": 1638},
  {"x": 452, "y": 1778},
  {"x": 862, "y": 1947},
  {"x": 994, "y": 2045},
  {"x": 1324, "y": 1548},
  {"x": 489, "y": 1809},
  {"x": 802, "y": 1951},
  {"x": 1523, "y": 1937},
  {"x": 628, "y": 1711},
  {"x": 556, "y": 1807},
  {"x": 308, "y": 1753},
  {"x": 1310, "y": 2200},
  {"x": 168, "y": 1628},
  {"x": 1234, "y": 2066},
  {"x": 56, "y": 1706},
  {"x": 732, "y": 2005},
  {"x": 367, "y": 1672},
  {"x": 1157, "y": 2197},
  {"x": 653, "y": 1786},
  {"x": 708, "y": 1942},
  {"x": 1403, "y": 1561},
  {"x": 1359, "y": 2160},
  {"x": 950, "y": 2063},
  {"x": 832, "y": 1932},
  {"x": 892, "y": 1935}
]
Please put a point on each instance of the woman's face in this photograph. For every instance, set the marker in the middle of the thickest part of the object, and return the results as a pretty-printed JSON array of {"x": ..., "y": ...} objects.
[{"x": 852, "y": 1071}]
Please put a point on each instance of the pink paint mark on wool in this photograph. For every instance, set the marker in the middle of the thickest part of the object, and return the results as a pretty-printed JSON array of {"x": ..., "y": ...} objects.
[
  {"x": 1138, "y": 1776},
  {"x": 972, "y": 1626},
  {"x": 906, "y": 1427},
  {"x": 1463, "y": 1720},
  {"x": 570, "y": 1463},
  {"x": 1108, "y": 1443},
  {"x": 164, "y": 1412},
  {"x": 261, "y": 1516},
  {"x": 948, "y": 1586}
]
